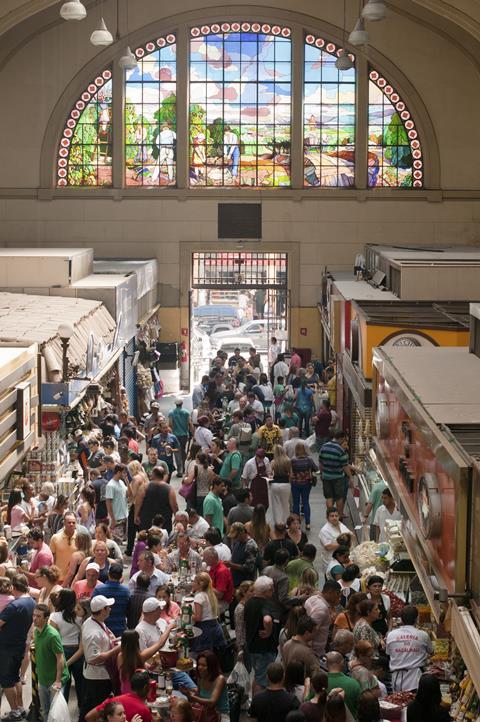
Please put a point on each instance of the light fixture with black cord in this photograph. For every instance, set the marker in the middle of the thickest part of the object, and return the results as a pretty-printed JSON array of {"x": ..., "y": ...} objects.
[
  {"x": 101, "y": 36},
  {"x": 73, "y": 10},
  {"x": 344, "y": 61},
  {"x": 374, "y": 11},
  {"x": 128, "y": 61}
]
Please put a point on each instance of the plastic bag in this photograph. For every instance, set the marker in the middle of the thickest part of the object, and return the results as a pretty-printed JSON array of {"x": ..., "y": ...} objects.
[
  {"x": 239, "y": 675},
  {"x": 59, "y": 709}
]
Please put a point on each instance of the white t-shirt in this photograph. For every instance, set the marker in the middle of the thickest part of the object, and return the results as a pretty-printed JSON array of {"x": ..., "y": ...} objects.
[
  {"x": 408, "y": 649},
  {"x": 202, "y": 599},
  {"x": 70, "y": 633},
  {"x": 258, "y": 409},
  {"x": 280, "y": 369},
  {"x": 203, "y": 437},
  {"x": 150, "y": 633},
  {"x": 273, "y": 352},
  {"x": 223, "y": 551},
  {"x": 290, "y": 445},
  {"x": 250, "y": 469},
  {"x": 328, "y": 535},
  {"x": 95, "y": 641},
  {"x": 382, "y": 515},
  {"x": 199, "y": 528}
]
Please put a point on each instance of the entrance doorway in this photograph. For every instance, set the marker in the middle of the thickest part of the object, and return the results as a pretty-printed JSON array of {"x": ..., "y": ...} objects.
[{"x": 238, "y": 299}]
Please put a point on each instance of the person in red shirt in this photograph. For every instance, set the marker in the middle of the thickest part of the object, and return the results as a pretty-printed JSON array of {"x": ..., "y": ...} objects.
[
  {"x": 295, "y": 359},
  {"x": 323, "y": 421},
  {"x": 222, "y": 580},
  {"x": 85, "y": 587},
  {"x": 132, "y": 702}
]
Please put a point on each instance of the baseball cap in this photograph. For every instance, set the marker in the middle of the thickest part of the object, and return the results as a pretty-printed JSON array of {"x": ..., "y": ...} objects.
[
  {"x": 93, "y": 565},
  {"x": 100, "y": 602},
  {"x": 154, "y": 405},
  {"x": 78, "y": 433},
  {"x": 151, "y": 605},
  {"x": 178, "y": 401}
]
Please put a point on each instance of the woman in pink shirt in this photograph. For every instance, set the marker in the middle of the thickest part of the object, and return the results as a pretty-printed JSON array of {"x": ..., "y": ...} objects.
[
  {"x": 171, "y": 610},
  {"x": 16, "y": 514}
]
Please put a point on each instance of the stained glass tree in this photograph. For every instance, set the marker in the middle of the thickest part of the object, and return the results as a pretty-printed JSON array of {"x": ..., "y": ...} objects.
[
  {"x": 394, "y": 149},
  {"x": 85, "y": 150}
]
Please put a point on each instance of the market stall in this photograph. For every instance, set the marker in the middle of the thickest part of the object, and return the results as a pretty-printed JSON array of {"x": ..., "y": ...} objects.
[{"x": 427, "y": 443}]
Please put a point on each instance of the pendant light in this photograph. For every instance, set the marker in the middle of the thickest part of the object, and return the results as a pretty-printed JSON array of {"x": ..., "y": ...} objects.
[
  {"x": 374, "y": 11},
  {"x": 73, "y": 10},
  {"x": 101, "y": 35},
  {"x": 128, "y": 61},
  {"x": 343, "y": 61},
  {"x": 358, "y": 36}
]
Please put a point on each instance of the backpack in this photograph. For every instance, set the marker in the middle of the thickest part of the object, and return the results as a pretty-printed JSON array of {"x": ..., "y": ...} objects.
[{"x": 245, "y": 433}]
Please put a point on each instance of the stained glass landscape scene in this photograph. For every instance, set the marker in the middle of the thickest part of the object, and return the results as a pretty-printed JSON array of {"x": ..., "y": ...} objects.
[
  {"x": 150, "y": 116},
  {"x": 240, "y": 105},
  {"x": 85, "y": 150},
  {"x": 394, "y": 151},
  {"x": 328, "y": 116}
]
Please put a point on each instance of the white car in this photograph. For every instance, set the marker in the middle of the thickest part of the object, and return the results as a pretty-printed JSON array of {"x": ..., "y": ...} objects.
[
  {"x": 256, "y": 330},
  {"x": 230, "y": 343}
]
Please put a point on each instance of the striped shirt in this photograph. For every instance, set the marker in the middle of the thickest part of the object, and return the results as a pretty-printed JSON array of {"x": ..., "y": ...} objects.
[{"x": 333, "y": 458}]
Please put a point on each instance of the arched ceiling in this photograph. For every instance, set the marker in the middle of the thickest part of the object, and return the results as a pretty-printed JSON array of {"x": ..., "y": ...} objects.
[{"x": 457, "y": 19}]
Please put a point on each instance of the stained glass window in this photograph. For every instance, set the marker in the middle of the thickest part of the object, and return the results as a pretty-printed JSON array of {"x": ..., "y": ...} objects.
[
  {"x": 328, "y": 117},
  {"x": 85, "y": 151},
  {"x": 240, "y": 105},
  {"x": 150, "y": 115},
  {"x": 394, "y": 150}
]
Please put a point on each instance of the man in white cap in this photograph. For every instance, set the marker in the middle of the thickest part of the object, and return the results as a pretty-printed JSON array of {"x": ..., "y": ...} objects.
[
  {"x": 181, "y": 425},
  {"x": 98, "y": 647},
  {"x": 84, "y": 588},
  {"x": 152, "y": 420},
  {"x": 152, "y": 629}
]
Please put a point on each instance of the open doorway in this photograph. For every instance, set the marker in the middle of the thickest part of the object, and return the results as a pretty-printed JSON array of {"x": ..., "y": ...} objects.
[{"x": 238, "y": 299}]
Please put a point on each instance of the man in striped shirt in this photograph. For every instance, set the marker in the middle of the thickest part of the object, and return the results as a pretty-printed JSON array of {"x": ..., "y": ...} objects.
[{"x": 335, "y": 470}]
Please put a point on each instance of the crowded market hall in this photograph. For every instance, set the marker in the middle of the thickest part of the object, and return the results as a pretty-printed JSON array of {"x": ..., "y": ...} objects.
[{"x": 239, "y": 361}]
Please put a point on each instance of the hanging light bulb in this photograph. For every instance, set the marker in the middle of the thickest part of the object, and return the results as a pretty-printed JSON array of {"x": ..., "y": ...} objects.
[
  {"x": 128, "y": 61},
  {"x": 101, "y": 36},
  {"x": 73, "y": 10},
  {"x": 343, "y": 62},
  {"x": 374, "y": 10},
  {"x": 359, "y": 35}
]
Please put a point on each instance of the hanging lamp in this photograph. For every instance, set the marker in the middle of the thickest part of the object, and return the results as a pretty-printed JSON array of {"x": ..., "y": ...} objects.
[
  {"x": 343, "y": 61},
  {"x": 73, "y": 10},
  {"x": 128, "y": 61},
  {"x": 101, "y": 35},
  {"x": 374, "y": 11},
  {"x": 358, "y": 36}
]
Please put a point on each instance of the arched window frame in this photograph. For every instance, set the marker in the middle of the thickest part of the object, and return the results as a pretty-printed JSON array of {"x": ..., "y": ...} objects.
[{"x": 182, "y": 29}]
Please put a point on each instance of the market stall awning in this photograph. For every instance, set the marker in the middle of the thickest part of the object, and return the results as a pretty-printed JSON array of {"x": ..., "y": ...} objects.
[{"x": 25, "y": 319}]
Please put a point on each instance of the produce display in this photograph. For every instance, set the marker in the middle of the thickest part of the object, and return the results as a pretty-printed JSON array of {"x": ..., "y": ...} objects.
[{"x": 467, "y": 705}]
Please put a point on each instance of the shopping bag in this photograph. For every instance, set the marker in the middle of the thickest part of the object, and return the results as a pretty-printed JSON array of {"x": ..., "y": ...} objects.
[
  {"x": 239, "y": 675},
  {"x": 186, "y": 490},
  {"x": 59, "y": 709}
]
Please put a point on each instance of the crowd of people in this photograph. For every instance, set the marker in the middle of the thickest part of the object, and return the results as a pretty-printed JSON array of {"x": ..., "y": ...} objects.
[{"x": 96, "y": 598}]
